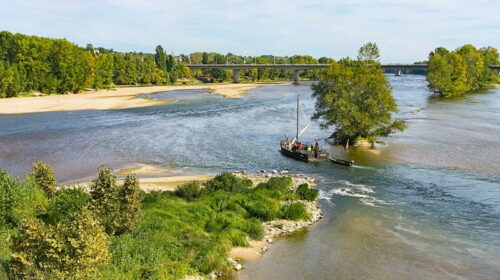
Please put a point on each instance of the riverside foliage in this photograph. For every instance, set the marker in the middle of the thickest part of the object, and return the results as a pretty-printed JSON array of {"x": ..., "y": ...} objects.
[
  {"x": 118, "y": 232},
  {"x": 453, "y": 73},
  {"x": 38, "y": 64},
  {"x": 355, "y": 97},
  {"x": 32, "y": 63}
]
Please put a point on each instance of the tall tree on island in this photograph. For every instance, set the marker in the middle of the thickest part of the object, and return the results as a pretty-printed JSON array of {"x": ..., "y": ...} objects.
[
  {"x": 446, "y": 73},
  {"x": 355, "y": 97}
]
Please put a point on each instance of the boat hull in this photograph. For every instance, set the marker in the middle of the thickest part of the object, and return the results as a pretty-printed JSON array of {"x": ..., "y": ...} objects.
[
  {"x": 294, "y": 155},
  {"x": 341, "y": 161}
]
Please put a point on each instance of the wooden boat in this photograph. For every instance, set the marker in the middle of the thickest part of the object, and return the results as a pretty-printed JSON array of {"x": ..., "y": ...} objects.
[
  {"x": 341, "y": 161},
  {"x": 297, "y": 150}
]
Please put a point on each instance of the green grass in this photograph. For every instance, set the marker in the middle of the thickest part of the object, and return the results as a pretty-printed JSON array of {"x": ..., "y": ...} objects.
[
  {"x": 187, "y": 232},
  {"x": 178, "y": 237},
  {"x": 294, "y": 211},
  {"x": 304, "y": 192}
]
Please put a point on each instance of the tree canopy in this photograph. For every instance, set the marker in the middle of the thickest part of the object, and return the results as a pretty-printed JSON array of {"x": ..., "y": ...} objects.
[
  {"x": 451, "y": 73},
  {"x": 355, "y": 97},
  {"x": 32, "y": 63}
]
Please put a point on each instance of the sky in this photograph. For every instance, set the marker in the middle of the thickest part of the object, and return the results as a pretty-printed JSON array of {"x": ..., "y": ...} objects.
[{"x": 405, "y": 31}]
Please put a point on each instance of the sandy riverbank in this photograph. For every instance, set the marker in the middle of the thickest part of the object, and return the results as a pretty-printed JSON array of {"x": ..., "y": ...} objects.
[
  {"x": 152, "y": 178},
  {"x": 119, "y": 98}
]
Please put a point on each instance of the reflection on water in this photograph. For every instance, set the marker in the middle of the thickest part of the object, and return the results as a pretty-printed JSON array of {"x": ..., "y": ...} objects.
[{"x": 426, "y": 205}]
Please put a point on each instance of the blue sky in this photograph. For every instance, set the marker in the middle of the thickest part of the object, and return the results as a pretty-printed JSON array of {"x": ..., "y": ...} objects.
[{"x": 404, "y": 30}]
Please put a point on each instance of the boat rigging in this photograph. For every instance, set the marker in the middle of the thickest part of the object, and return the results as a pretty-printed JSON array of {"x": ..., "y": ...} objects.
[{"x": 297, "y": 150}]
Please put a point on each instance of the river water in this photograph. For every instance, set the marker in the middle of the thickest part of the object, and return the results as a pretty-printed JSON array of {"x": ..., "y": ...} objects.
[{"x": 424, "y": 206}]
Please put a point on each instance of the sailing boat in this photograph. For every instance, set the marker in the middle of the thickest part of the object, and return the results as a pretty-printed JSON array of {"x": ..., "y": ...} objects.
[{"x": 297, "y": 150}]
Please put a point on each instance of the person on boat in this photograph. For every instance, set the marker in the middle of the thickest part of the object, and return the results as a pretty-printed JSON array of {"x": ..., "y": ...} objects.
[
  {"x": 309, "y": 148},
  {"x": 316, "y": 149}
]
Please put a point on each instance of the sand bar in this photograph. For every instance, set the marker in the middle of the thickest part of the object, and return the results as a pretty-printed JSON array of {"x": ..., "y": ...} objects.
[{"x": 119, "y": 98}]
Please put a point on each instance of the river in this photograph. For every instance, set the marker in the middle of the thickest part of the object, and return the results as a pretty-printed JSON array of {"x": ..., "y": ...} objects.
[{"x": 424, "y": 206}]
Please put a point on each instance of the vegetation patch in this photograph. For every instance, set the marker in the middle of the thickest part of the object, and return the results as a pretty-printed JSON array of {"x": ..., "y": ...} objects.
[
  {"x": 306, "y": 193},
  {"x": 294, "y": 211},
  {"x": 452, "y": 73},
  {"x": 118, "y": 232}
]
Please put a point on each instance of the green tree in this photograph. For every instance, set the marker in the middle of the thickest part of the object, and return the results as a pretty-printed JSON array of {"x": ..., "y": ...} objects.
[
  {"x": 369, "y": 52},
  {"x": 129, "y": 200},
  {"x": 103, "y": 71},
  {"x": 19, "y": 201},
  {"x": 474, "y": 66},
  {"x": 161, "y": 58},
  {"x": 62, "y": 251},
  {"x": 103, "y": 194},
  {"x": 446, "y": 73},
  {"x": 490, "y": 57},
  {"x": 204, "y": 59},
  {"x": 116, "y": 207},
  {"x": 44, "y": 177},
  {"x": 355, "y": 97}
]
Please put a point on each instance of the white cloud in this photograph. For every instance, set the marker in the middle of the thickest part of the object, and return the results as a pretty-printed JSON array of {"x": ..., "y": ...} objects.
[{"x": 405, "y": 30}]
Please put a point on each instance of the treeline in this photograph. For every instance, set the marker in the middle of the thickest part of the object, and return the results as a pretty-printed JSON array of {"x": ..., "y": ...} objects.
[
  {"x": 452, "y": 73},
  {"x": 253, "y": 74},
  {"x": 113, "y": 230},
  {"x": 38, "y": 64},
  {"x": 32, "y": 63}
]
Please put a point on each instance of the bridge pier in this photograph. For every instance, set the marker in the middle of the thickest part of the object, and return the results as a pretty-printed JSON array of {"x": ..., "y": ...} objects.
[
  {"x": 236, "y": 76},
  {"x": 295, "y": 77}
]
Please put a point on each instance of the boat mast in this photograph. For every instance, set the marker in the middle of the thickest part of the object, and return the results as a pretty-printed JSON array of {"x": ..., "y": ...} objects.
[{"x": 297, "y": 136}]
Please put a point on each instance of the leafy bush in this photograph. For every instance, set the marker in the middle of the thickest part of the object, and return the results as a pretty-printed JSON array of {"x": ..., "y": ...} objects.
[
  {"x": 304, "y": 192},
  {"x": 129, "y": 198},
  {"x": 282, "y": 184},
  {"x": 261, "y": 210},
  {"x": 294, "y": 211},
  {"x": 62, "y": 251},
  {"x": 254, "y": 228},
  {"x": 66, "y": 205},
  {"x": 228, "y": 182},
  {"x": 116, "y": 207},
  {"x": 44, "y": 177},
  {"x": 19, "y": 201},
  {"x": 189, "y": 191}
]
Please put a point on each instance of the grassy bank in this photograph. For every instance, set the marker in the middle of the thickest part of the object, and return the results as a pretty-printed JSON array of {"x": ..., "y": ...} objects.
[{"x": 176, "y": 234}]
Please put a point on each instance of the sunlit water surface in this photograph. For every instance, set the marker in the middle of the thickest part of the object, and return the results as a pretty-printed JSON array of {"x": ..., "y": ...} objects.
[{"x": 426, "y": 206}]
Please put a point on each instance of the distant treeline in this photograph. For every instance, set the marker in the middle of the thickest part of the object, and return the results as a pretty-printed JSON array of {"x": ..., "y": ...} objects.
[
  {"x": 452, "y": 73},
  {"x": 38, "y": 64},
  {"x": 32, "y": 63},
  {"x": 253, "y": 74}
]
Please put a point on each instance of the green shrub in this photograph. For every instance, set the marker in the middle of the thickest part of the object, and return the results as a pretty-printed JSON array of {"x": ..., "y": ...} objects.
[
  {"x": 44, "y": 177},
  {"x": 271, "y": 193},
  {"x": 294, "y": 211},
  {"x": 228, "y": 182},
  {"x": 19, "y": 201},
  {"x": 189, "y": 191},
  {"x": 116, "y": 207},
  {"x": 260, "y": 210},
  {"x": 62, "y": 251},
  {"x": 66, "y": 204},
  {"x": 253, "y": 227},
  {"x": 279, "y": 183},
  {"x": 304, "y": 192},
  {"x": 129, "y": 198}
]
